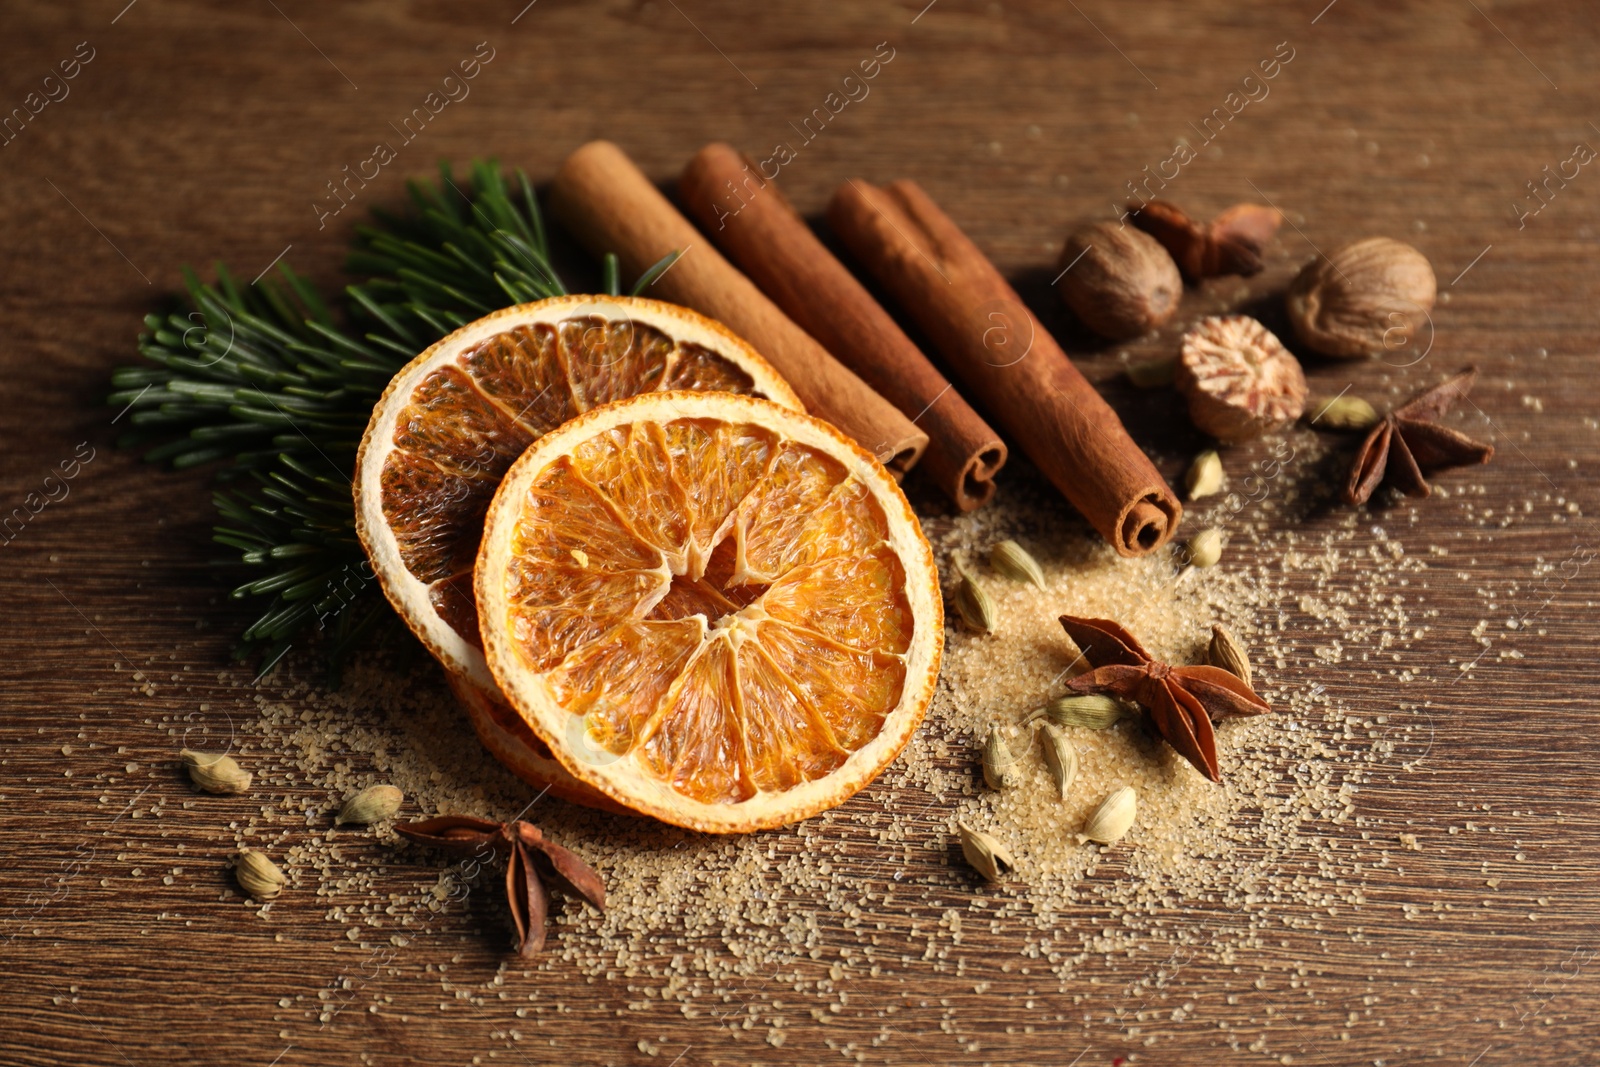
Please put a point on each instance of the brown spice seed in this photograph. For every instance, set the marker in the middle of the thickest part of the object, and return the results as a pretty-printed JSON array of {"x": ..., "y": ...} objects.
[{"x": 1232, "y": 243}]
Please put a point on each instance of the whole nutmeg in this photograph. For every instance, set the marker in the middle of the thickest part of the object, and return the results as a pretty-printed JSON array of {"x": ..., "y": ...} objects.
[
  {"x": 1365, "y": 299},
  {"x": 1238, "y": 378},
  {"x": 1118, "y": 280}
]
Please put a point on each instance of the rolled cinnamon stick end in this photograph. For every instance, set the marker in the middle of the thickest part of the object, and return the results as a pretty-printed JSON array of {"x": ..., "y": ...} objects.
[
  {"x": 754, "y": 224},
  {"x": 610, "y": 206},
  {"x": 1006, "y": 360}
]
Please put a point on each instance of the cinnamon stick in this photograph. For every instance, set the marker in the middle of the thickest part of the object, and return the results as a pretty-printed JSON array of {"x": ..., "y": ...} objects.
[
  {"x": 754, "y": 224},
  {"x": 1006, "y": 360},
  {"x": 610, "y": 206}
]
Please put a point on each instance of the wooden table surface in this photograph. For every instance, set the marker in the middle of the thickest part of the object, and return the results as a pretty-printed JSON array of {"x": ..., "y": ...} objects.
[{"x": 199, "y": 131}]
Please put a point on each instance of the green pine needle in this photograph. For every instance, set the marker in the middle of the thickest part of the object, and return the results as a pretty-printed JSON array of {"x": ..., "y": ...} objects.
[{"x": 275, "y": 389}]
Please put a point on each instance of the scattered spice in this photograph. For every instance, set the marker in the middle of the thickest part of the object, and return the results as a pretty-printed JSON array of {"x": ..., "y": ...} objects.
[
  {"x": 1238, "y": 378},
  {"x": 1366, "y": 298},
  {"x": 1282, "y": 832},
  {"x": 258, "y": 876},
  {"x": 373, "y": 804},
  {"x": 1226, "y": 652},
  {"x": 984, "y": 852},
  {"x": 1343, "y": 413},
  {"x": 530, "y": 860},
  {"x": 999, "y": 765},
  {"x": 1059, "y": 756},
  {"x": 1182, "y": 701},
  {"x": 1205, "y": 548},
  {"x": 1231, "y": 243},
  {"x": 1094, "y": 712},
  {"x": 1205, "y": 477},
  {"x": 1118, "y": 280},
  {"x": 1151, "y": 373},
  {"x": 216, "y": 772},
  {"x": 1112, "y": 819},
  {"x": 1012, "y": 560},
  {"x": 1410, "y": 441},
  {"x": 975, "y": 606}
]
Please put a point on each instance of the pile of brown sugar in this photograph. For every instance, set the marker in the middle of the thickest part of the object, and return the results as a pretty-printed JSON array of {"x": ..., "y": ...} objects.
[{"x": 877, "y": 886}]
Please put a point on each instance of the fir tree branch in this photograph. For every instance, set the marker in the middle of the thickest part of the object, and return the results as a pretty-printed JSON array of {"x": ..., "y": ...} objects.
[{"x": 274, "y": 389}]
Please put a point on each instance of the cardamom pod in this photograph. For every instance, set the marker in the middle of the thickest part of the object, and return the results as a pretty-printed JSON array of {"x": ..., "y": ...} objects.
[
  {"x": 1205, "y": 476},
  {"x": 257, "y": 875},
  {"x": 1205, "y": 548},
  {"x": 1059, "y": 756},
  {"x": 1094, "y": 712},
  {"x": 973, "y": 604},
  {"x": 986, "y": 854},
  {"x": 1112, "y": 818},
  {"x": 1225, "y": 652},
  {"x": 1013, "y": 561},
  {"x": 1343, "y": 412},
  {"x": 1151, "y": 373},
  {"x": 215, "y": 772},
  {"x": 373, "y": 804},
  {"x": 999, "y": 765}
]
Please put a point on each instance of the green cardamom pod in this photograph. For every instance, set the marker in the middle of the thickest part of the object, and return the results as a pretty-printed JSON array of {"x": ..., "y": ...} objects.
[
  {"x": 373, "y": 804},
  {"x": 1113, "y": 818},
  {"x": 1094, "y": 712},
  {"x": 999, "y": 765},
  {"x": 257, "y": 875},
  {"x": 986, "y": 854},
  {"x": 973, "y": 604},
  {"x": 1205, "y": 548},
  {"x": 1059, "y": 756},
  {"x": 1012, "y": 560},
  {"x": 215, "y": 772},
  {"x": 1205, "y": 476},
  {"x": 1151, "y": 373},
  {"x": 1344, "y": 413},
  {"x": 1227, "y": 653}
]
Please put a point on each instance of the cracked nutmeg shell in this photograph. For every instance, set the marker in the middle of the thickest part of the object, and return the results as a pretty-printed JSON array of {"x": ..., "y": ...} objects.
[
  {"x": 1238, "y": 378},
  {"x": 1118, "y": 280},
  {"x": 1366, "y": 298}
]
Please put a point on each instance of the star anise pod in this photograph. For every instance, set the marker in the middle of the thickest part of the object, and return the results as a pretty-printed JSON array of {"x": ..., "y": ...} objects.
[
  {"x": 530, "y": 862},
  {"x": 1410, "y": 440},
  {"x": 1231, "y": 243},
  {"x": 1183, "y": 701}
]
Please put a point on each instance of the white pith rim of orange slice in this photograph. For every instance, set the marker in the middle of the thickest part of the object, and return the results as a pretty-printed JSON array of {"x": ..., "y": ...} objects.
[
  {"x": 624, "y": 778},
  {"x": 405, "y": 591},
  {"x": 507, "y": 737}
]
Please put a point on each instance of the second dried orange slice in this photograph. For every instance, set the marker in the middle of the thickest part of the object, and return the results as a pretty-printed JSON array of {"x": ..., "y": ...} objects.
[
  {"x": 712, "y": 609},
  {"x": 453, "y": 420}
]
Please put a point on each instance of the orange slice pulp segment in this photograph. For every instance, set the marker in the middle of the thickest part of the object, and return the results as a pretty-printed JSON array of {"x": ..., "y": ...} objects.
[{"x": 712, "y": 609}]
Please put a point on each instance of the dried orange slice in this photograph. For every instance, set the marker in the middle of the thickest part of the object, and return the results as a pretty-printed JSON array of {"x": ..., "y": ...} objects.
[
  {"x": 453, "y": 420},
  {"x": 712, "y": 609}
]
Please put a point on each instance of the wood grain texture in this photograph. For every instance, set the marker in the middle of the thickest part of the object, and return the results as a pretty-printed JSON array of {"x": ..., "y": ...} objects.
[{"x": 208, "y": 131}]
